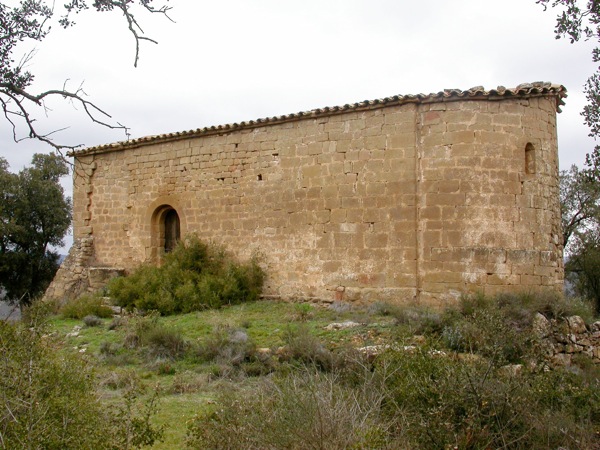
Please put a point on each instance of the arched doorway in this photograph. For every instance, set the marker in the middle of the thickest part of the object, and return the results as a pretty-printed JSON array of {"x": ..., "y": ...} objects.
[
  {"x": 166, "y": 231},
  {"x": 172, "y": 230}
]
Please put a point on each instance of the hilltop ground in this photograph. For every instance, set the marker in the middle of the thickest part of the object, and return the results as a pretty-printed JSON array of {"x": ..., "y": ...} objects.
[{"x": 342, "y": 376}]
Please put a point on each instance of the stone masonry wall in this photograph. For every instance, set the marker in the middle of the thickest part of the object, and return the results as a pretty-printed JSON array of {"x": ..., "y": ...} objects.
[{"x": 415, "y": 201}]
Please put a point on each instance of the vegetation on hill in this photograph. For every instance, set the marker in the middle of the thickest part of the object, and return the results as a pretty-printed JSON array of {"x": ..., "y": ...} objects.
[
  {"x": 235, "y": 374},
  {"x": 49, "y": 395},
  {"x": 278, "y": 375},
  {"x": 194, "y": 276}
]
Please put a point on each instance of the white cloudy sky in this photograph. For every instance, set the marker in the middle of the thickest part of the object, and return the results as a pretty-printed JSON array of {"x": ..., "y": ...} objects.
[{"x": 232, "y": 60}]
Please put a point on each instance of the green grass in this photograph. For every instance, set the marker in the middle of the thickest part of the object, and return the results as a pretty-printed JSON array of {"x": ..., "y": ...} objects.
[
  {"x": 174, "y": 413},
  {"x": 265, "y": 323},
  {"x": 189, "y": 383}
]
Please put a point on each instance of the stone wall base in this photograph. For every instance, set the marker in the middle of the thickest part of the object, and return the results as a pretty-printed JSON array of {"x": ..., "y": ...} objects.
[{"x": 77, "y": 275}]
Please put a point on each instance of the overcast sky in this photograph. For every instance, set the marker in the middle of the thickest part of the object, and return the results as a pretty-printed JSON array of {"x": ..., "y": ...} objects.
[{"x": 232, "y": 60}]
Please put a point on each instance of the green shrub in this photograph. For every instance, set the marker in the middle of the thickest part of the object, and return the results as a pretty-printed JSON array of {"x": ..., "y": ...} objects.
[
  {"x": 447, "y": 403},
  {"x": 33, "y": 375},
  {"x": 489, "y": 333},
  {"x": 86, "y": 305},
  {"x": 499, "y": 327},
  {"x": 303, "y": 311},
  {"x": 303, "y": 347},
  {"x": 49, "y": 400},
  {"x": 194, "y": 276},
  {"x": 147, "y": 333},
  {"x": 232, "y": 353},
  {"x": 309, "y": 409},
  {"x": 92, "y": 321}
]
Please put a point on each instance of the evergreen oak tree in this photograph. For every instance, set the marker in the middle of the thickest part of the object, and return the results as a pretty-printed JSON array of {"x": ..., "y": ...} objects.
[{"x": 34, "y": 216}]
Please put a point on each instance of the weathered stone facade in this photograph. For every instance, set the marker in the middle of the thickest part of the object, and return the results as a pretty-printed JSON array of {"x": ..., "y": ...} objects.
[{"x": 405, "y": 198}]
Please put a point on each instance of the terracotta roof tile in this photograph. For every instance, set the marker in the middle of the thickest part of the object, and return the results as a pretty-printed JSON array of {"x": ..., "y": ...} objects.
[{"x": 524, "y": 90}]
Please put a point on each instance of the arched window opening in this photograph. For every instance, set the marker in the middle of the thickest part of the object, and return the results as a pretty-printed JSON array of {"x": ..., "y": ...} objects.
[
  {"x": 529, "y": 158},
  {"x": 172, "y": 230}
]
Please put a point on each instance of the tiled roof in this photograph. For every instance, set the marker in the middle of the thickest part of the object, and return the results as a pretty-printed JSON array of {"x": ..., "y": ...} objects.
[{"x": 524, "y": 90}]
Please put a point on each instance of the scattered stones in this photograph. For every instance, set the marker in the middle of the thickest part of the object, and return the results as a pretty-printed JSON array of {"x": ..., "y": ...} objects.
[
  {"x": 342, "y": 325},
  {"x": 373, "y": 350},
  {"x": 561, "y": 360},
  {"x": 511, "y": 370},
  {"x": 75, "y": 332},
  {"x": 576, "y": 324},
  {"x": 568, "y": 337},
  {"x": 541, "y": 326}
]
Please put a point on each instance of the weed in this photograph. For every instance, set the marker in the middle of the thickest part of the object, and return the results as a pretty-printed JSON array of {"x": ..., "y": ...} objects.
[
  {"x": 384, "y": 309},
  {"x": 308, "y": 409},
  {"x": 302, "y": 346},
  {"x": 230, "y": 351},
  {"x": 188, "y": 382},
  {"x": 92, "y": 321},
  {"x": 116, "y": 323},
  {"x": 86, "y": 305},
  {"x": 165, "y": 368},
  {"x": 120, "y": 379},
  {"x": 160, "y": 342},
  {"x": 164, "y": 343},
  {"x": 303, "y": 311},
  {"x": 109, "y": 349},
  {"x": 340, "y": 307}
]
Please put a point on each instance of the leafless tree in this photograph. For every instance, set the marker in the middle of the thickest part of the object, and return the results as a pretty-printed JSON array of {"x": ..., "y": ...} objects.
[{"x": 30, "y": 21}]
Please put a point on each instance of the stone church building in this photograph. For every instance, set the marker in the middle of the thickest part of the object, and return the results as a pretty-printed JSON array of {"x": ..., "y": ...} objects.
[{"x": 406, "y": 198}]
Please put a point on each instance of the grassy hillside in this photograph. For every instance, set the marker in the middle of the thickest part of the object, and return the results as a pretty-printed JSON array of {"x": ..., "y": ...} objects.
[{"x": 260, "y": 374}]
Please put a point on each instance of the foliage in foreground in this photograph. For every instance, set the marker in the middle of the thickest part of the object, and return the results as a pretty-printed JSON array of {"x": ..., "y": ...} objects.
[
  {"x": 306, "y": 409},
  {"x": 579, "y": 20},
  {"x": 195, "y": 276},
  {"x": 408, "y": 400},
  {"x": 49, "y": 400},
  {"x": 454, "y": 391}
]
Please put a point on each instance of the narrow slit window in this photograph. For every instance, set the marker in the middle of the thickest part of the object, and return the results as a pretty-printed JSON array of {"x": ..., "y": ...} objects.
[{"x": 529, "y": 158}]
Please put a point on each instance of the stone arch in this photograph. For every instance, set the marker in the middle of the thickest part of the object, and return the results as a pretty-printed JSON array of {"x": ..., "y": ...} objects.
[{"x": 166, "y": 226}]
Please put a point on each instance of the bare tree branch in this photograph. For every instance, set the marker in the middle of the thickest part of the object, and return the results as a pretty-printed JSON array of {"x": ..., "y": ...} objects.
[{"x": 29, "y": 21}]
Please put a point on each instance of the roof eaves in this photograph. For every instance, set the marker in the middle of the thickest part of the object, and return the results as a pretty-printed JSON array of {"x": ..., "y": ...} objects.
[{"x": 524, "y": 90}]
